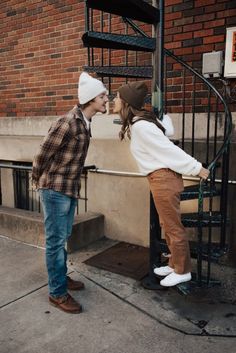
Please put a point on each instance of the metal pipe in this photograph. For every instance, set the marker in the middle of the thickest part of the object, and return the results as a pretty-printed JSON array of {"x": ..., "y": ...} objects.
[
  {"x": 118, "y": 173},
  {"x": 93, "y": 169},
  {"x": 23, "y": 167},
  {"x": 158, "y": 75},
  {"x": 133, "y": 174}
]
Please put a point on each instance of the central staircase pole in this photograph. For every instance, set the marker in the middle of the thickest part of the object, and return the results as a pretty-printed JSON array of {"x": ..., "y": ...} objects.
[
  {"x": 158, "y": 62},
  {"x": 150, "y": 281}
]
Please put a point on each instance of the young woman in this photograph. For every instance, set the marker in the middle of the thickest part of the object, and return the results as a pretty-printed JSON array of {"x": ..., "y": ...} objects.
[{"x": 163, "y": 163}]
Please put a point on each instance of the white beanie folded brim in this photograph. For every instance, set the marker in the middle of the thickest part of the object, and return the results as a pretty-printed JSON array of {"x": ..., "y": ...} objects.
[{"x": 89, "y": 88}]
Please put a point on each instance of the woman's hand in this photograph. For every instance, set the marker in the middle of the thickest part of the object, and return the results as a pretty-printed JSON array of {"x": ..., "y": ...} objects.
[{"x": 204, "y": 173}]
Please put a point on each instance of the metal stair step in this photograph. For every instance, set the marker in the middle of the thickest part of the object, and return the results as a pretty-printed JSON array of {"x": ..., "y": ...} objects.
[
  {"x": 121, "y": 71},
  {"x": 216, "y": 251},
  {"x": 191, "y": 220},
  {"x": 134, "y": 9},
  {"x": 118, "y": 41},
  {"x": 191, "y": 192}
]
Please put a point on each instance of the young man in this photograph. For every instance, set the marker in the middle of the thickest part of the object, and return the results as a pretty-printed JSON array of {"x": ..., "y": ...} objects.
[{"x": 56, "y": 173}]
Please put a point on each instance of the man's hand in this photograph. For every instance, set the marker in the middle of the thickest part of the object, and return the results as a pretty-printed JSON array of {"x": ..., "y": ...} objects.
[{"x": 204, "y": 173}]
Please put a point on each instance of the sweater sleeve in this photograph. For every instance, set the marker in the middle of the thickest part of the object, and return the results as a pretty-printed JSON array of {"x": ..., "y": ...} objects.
[
  {"x": 149, "y": 139},
  {"x": 168, "y": 125}
]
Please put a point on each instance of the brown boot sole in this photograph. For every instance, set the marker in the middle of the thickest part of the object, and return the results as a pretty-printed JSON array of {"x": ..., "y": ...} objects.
[{"x": 66, "y": 311}]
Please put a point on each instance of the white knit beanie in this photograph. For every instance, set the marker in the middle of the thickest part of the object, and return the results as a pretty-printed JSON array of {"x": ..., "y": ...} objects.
[{"x": 89, "y": 88}]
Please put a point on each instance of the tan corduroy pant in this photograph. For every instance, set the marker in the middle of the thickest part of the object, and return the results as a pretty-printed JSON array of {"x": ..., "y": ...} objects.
[{"x": 166, "y": 186}]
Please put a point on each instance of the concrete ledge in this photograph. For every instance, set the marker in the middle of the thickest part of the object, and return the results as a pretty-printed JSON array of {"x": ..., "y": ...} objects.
[
  {"x": 28, "y": 227},
  {"x": 87, "y": 228}
]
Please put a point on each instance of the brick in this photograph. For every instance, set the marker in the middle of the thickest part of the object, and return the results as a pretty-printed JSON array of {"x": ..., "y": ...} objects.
[
  {"x": 220, "y": 46},
  {"x": 173, "y": 45},
  {"x": 179, "y": 95},
  {"x": 215, "y": 8},
  {"x": 230, "y": 5},
  {"x": 173, "y": 88},
  {"x": 192, "y": 57},
  {"x": 183, "y": 36},
  {"x": 193, "y": 27},
  {"x": 231, "y": 20},
  {"x": 213, "y": 39},
  {"x": 173, "y": 30},
  {"x": 183, "y": 21},
  {"x": 215, "y": 23},
  {"x": 171, "y": 74},
  {"x": 220, "y": 30},
  {"x": 168, "y": 24},
  {"x": 173, "y": 16},
  {"x": 226, "y": 13},
  {"x": 203, "y": 33},
  {"x": 203, "y": 48},
  {"x": 11, "y": 13},
  {"x": 193, "y": 12},
  {"x": 204, "y": 18},
  {"x": 176, "y": 81},
  {"x": 192, "y": 42},
  {"x": 183, "y": 51},
  {"x": 183, "y": 6},
  {"x": 172, "y": 2},
  {"x": 200, "y": 3}
]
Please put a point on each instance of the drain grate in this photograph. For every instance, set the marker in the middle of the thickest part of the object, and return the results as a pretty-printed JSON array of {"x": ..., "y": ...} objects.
[{"x": 123, "y": 258}]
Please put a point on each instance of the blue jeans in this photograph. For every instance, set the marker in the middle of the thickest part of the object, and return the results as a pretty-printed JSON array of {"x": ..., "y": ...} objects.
[{"x": 59, "y": 210}]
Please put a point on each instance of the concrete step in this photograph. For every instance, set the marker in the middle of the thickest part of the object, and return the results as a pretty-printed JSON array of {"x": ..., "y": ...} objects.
[{"x": 28, "y": 227}]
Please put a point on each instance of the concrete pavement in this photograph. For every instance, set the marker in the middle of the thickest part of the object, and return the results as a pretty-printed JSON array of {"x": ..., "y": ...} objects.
[{"x": 119, "y": 315}]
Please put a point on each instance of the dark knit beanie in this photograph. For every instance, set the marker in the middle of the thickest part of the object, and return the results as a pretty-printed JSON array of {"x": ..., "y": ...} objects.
[{"x": 134, "y": 93}]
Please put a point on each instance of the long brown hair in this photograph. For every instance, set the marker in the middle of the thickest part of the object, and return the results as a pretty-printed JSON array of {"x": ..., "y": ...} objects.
[{"x": 127, "y": 113}]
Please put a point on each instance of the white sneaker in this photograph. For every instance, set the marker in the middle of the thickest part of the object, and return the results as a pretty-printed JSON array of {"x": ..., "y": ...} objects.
[
  {"x": 163, "y": 271},
  {"x": 174, "y": 278}
]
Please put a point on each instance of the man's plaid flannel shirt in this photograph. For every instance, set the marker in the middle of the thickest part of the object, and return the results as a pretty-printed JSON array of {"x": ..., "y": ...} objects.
[{"x": 60, "y": 160}]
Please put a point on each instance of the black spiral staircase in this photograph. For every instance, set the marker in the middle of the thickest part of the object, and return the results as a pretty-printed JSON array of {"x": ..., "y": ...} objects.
[{"x": 195, "y": 97}]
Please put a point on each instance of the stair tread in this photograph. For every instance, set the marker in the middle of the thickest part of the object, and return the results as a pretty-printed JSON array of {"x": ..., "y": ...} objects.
[
  {"x": 135, "y": 9},
  {"x": 191, "y": 220},
  {"x": 121, "y": 71},
  {"x": 206, "y": 215},
  {"x": 216, "y": 250},
  {"x": 118, "y": 41},
  {"x": 192, "y": 191}
]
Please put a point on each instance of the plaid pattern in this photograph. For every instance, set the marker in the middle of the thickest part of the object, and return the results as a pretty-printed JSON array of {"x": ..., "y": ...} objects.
[{"x": 60, "y": 160}]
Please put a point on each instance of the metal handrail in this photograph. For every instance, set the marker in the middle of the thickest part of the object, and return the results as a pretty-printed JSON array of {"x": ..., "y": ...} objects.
[
  {"x": 24, "y": 167},
  {"x": 30, "y": 191},
  {"x": 136, "y": 174}
]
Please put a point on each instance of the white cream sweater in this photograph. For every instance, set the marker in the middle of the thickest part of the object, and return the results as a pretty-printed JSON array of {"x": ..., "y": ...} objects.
[{"x": 153, "y": 150}]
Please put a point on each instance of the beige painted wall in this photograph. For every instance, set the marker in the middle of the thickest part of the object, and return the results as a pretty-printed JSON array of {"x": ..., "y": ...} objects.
[{"x": 123, "y": 200}]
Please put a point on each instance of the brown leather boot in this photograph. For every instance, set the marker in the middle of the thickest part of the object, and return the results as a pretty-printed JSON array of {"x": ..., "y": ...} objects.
[
  {"x": 66, "y": 303},
  {"x": 74, "y": 285}
]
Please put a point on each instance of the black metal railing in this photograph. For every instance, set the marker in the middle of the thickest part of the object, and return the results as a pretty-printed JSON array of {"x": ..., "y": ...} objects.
[
  {"x": 215, "y": 132},
  {"x": 26, "y": 197},
  {"x": 204, "y": 117}
]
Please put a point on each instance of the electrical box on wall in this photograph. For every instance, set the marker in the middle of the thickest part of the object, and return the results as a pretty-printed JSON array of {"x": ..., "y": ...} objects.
[
  {"x": 212, "y": 64},
  {"x": 230, "y": 53}
]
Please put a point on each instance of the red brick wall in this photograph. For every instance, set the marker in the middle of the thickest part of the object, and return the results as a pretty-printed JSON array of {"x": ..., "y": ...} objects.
[
  {"x": 42, "y": 55},
  {"x": 191, "y": 29}
]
